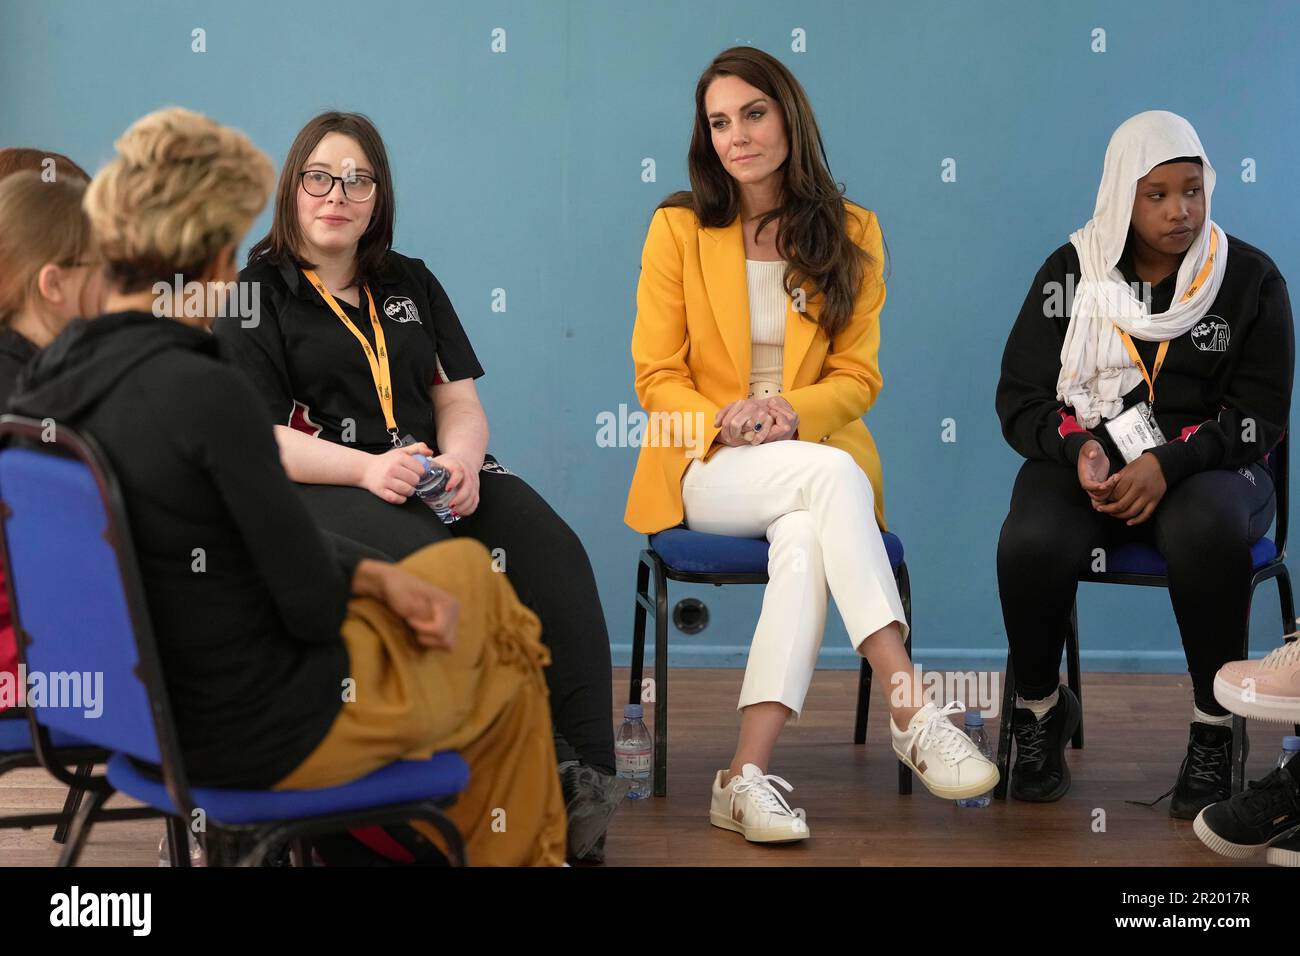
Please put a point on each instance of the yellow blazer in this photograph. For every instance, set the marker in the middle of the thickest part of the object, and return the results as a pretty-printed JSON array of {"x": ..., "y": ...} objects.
[{"x": 691, "y": 347}]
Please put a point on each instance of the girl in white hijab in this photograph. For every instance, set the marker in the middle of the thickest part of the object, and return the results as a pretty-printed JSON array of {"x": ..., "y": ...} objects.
[
  {"x": 1096, "y": 368},
  {"x": 1146, "y": 418}
]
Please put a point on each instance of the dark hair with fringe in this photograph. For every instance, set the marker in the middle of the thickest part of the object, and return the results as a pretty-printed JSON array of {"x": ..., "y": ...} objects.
[{"x": 285, "y": 240}]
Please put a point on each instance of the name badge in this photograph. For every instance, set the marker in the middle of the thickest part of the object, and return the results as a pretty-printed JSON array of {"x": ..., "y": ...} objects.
[{"x": 1134, "y": 431}]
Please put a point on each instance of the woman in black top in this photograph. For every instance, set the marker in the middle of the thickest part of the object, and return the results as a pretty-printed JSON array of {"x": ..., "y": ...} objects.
[
  {"x": 274, "y": 676},
  {"x": 1146, "y": 380},
  {"x": 356, "y": 346}
]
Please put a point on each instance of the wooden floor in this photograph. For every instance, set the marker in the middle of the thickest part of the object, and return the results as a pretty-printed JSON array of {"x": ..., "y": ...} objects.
[{"x": 1136, "y": 729}]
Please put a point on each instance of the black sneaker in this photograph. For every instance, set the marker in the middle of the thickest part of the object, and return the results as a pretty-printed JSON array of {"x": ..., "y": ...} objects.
[
  {"x": 1266, "y": 813},
  {"x": 1039, "y": 774},
  {"x": 590, "y": 799},
  {"x": 1285, "y": 852},
  {"x": 1206, "y": 774}
]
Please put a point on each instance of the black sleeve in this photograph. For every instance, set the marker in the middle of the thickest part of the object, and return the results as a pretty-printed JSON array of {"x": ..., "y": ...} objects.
[
  {"x": 456, "y": 358},
  {"x": 1034, "y": 421},
  {"x": 309, "y": 579},
  {"x": 1256, "y": 402},
  {"x": 257, "y": 348}
]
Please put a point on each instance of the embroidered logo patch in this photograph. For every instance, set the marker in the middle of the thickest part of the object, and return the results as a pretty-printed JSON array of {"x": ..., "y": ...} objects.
[
  {"x": 495, "y": 467},
  {"x": 401, "y": 309},
  {"x": 1211, "y": 334}
]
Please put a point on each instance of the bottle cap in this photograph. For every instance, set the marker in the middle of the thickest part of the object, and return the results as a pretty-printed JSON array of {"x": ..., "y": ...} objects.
[
  {"x": 1291, "y": 743},
  {"x": 974, "y": 718},
  {"x": 633, "y": 712}
]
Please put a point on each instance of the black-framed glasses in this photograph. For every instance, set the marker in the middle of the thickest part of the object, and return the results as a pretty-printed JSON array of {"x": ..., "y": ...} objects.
[{"x": 316, "y": 182}]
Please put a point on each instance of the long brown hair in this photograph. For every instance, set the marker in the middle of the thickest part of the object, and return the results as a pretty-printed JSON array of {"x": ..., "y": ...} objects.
[
  {"x": 285, "y": 238},
  {"x": 43, "y": 225},
  {"x": 813, "y": 232}
]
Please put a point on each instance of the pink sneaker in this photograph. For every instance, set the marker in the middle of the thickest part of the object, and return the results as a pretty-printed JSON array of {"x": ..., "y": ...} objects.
[{"x": 1267, "y": 689}]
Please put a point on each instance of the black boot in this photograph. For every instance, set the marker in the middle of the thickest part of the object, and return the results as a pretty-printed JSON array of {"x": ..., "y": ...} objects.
[
  {"x": 1040, "y": 774},
  {"x": 1206, "y": 774},
  {"x": 590, "y": 799}
]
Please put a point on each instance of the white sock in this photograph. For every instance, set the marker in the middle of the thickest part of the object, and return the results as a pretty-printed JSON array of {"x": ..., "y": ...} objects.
[
  {"x": 1039, "y": 708},
  {"x": 1202, "y": 717}
]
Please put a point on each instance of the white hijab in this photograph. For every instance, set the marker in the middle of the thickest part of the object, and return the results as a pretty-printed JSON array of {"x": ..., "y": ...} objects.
[{"x": 1096, "y": 370}]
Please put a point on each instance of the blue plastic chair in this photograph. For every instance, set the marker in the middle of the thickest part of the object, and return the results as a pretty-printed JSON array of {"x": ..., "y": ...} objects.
[
  {"x": 79, "y": 607},
  {"x": 679, "y": 554},
  {"x": 1143, "y": 565}
]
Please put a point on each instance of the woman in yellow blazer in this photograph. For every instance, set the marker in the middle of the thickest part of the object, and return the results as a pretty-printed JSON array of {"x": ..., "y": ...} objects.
[{"x": 755, "y": 347}]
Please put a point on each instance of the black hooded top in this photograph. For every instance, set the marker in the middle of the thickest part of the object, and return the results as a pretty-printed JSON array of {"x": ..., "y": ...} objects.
[
  {"x": 15, "y": 352},
  {"x": 248, "y": 628}
]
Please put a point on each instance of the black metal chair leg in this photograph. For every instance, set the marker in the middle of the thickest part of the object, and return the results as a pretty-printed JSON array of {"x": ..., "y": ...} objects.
[
  {"x": 81, "y": 826},
  {"x": 1287, "y": 601},
  {"x": 638, "y": 631},
  {"x": 1238, "y": 753},
  {"x": 72, "y": 803},
  {"x": 1074, "y": 676},
  {"x": 905, "y": 596},
  {"x": 451, "y": 835},
  {"x": 661, "y": 685},
  {"x": 178, "y": 842},
  {"x": 864, "y": 703},
  {"x": 1004, "y": 732}
]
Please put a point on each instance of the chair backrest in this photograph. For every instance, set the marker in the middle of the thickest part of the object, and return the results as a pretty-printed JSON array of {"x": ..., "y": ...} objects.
[{"x": 79, "y": 613}]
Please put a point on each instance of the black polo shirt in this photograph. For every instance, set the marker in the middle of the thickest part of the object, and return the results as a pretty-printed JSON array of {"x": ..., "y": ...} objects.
[{"x": 312, "y": 372}]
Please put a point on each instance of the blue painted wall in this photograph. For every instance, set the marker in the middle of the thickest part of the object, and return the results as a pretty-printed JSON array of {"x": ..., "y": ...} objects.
[{"x": 522, "y": 170}]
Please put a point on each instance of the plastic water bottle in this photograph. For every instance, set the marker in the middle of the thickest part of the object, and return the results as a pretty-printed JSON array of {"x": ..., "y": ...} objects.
[
  {"x": 432, "y": 487},
  {"x": 634, "y": 753},
  {"x": 975, "y": 731},
  {"x": 1290, "y": 747},
  {"x": 197, "y": 857}
]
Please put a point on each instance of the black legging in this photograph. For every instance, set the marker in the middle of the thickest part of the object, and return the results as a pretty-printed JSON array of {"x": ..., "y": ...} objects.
[
  {"x": 1204, "y": 527},
  {"x": 546, "y": 564}
]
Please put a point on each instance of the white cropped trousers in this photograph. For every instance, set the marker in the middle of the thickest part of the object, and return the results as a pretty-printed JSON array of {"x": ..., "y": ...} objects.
[{"x": 816, "y": 508}]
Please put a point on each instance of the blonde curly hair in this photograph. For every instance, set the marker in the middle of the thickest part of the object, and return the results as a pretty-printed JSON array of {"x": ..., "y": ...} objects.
[{"x": 181, "y": 189}]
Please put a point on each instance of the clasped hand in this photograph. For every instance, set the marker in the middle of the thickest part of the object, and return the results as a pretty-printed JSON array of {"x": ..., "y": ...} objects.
[
  {"x": 1131, "y": 494},
  {"x": 754, "y": 421},
  {"x": 431, "y": 613}
]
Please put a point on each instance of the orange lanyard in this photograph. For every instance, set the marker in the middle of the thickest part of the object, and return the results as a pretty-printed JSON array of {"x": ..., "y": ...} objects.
[
  {"x": 1137, "y": 360},
  {"x": 378, "y": 365},
  {"x": 1164, "y": 346}
]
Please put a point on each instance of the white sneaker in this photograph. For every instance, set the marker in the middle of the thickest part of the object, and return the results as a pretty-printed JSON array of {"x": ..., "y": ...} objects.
[
  {"x": 940, "y": 753},
  {"x": 749, "y": 804}
]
